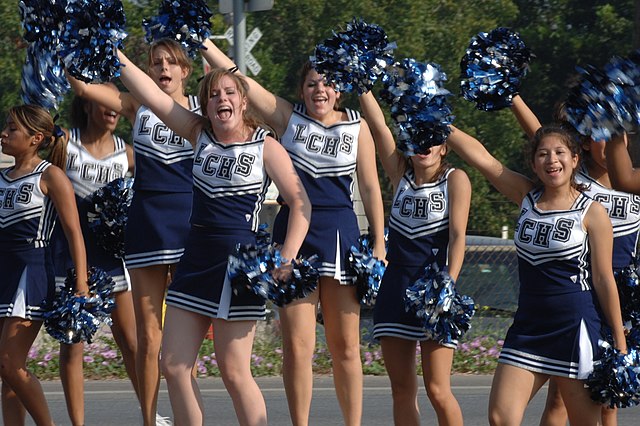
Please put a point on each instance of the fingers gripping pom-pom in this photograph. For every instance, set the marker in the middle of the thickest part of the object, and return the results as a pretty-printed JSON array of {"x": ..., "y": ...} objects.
[
  {"x": 369, "y": 270},
  {"x": 251, "y": 269},
  {"x": 43, "y": 80},
  {"x": 493, "y": 67},
  {"x": 92, "y": 34},
  {"x": 109, "y": 214},
  {"x": 187, "y": 22},
  {"x": 606, "y": 102},
  {"x": 446, "y": 314},
  {"x": 615, "y": 379},
  {"x": 420, "y": 111},
  {"x": 71, "y": 318},
  {"x": 355, "y": 58}
]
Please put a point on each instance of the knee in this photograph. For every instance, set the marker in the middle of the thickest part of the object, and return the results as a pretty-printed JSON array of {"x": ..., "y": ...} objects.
[
  {"x": 344, "y": 350},
  {"x": 8, "y": 368},
  {"x": 148, "y": 342},
  {"x": 299, "y": 348},
  {"x": 438, "y": 394},
  {"x": 235, "y": 377},
  {"x": 403, "y": 392}
]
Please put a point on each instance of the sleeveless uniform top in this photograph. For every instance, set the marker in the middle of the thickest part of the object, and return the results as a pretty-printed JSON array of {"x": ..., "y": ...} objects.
[
  {"x": 230, "y": 182},
  {"x": 324, "y": 156},
  {"x": 87, "y": 173},
  {"x": 27, "y": 216},
  {"x": 553, "y": 248},
  {"x": 163, "y": 159},
  {"x": 624, "y": 211},
  {"x": 419, "y": 221}
]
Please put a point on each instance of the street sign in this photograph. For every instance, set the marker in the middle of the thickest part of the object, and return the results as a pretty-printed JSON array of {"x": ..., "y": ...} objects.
[
  {"x": 252, "y": 64},
  {"x": 226, "y": 6}
]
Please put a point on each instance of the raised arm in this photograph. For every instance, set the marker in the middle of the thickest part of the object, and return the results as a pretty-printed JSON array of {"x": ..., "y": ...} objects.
[
  {"x": 122, "y": 103},
  {"x": 527, "y": 119},
  {"x": 273, "y": 109},
  {"x": 393, "y": 163},
  {"x": 601, "y": 245},
  {"x": 459, "y": 204},
  {"x": 369, "y": 187},
  {"x": 280, "y": 168},
  {"x": 624, "y": 177},
  {"x": 512, "y": 185},
  {"x": 182, "y": 121},
  {"x": 58, "y": 188}
]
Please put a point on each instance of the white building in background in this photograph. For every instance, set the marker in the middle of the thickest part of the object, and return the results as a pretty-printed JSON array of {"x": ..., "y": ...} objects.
[{"x": 5, "y": 160}]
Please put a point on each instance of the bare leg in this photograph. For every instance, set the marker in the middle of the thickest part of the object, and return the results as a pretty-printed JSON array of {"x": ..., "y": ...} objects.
[
  {"x": 298, "y": 322},
  {"x": 436, "y": 366},
  {"x": 183, "y": 335},
  {"x": 400, "y": 361},
  {"x": 17, "y": 337},
  {"x": 148, "y": 289},
  {"x": 341, "y": 313},
  {"x": 511, "y": 390},
  {"x": 609, "y": 416},
  {"x": 555, "y": 413},
  {"x": 13, "y": 412},
  {"x": 233, "y": 342},
  {"x": 124, "y": 334},
  {"x": 582, "y": 410},
  {"x": 72, "y": 377}
]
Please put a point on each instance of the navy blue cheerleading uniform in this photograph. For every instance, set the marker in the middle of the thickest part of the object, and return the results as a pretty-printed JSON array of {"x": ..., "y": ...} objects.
[
  {"x": 624, "y": 211},
  {"x": 557, "y": 325},
  {"x": 88, "y": 174},
  {"x": 325, "y": 159},
  {"x": 418, "y": 237},
  {"x": 230, "y": 185},
  {"x": 158, "y": 220},
  {"x": 27, "y": 218}
]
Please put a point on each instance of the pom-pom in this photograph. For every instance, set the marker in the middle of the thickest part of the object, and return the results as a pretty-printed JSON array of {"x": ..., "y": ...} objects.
[
  {"x": 109, "y": 213},
  {"x": 493, "y": 67},
  {"x": 186, "y": 22},
  {"x": 369, "y": 270},
  {"x": 606, "y": 102},
  {"x": 251, "y": 266},
  {"x": 615, "y": 379},
  {"x": 72, "y": 319},
  {"x": 355, "y": 58},
  {"x": 446, "y": 314},
  {"x": 43, "y": 80},
  {"x": 628, "y": 286},
  {"x": 92, "y": 34},
  {"x": 419, "y": 108}
]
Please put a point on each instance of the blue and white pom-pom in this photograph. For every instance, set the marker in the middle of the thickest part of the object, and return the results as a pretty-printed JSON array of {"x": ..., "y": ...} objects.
[
  {"x": 43, "y": 80},
  {"x": 70, "y": 318},
  {"x": 606, "y": 102},
  {"x": 446, "y": 314},
  {"x": 250, "y": 270},
  {"x": 186, "y": 22},
  {"x": 628, "y": 285},
  {"x": 109, "y": 214},
  {"x": 615, "y": 379},
  {"x": 419, "y": 107},
  {"x": 493, "y": 67},
  {"x": 354, "y": 59},
  {"x": 368, "y": 269},
  {"x": 93, "y": 32}
]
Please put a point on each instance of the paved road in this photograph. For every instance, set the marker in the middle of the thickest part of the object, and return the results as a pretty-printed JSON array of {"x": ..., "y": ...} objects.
[{"x": 112, "y": 403}]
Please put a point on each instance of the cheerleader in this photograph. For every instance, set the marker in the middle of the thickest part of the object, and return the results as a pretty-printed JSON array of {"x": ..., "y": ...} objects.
[
  {"x": 624, "y": 211},
  {"x": 234, "y": 162},
  {"x": 419, "y": 236},
  {"x": 158, "y": 221},
  {"x": 33, "y": 191},
  {"x": 328, "y": 147},
  {"x": 564, "y": 243},
  {"x": 95, "y": 157}
]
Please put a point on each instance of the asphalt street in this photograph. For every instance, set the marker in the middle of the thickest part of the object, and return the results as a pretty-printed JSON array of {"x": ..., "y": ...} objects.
[{"x": 113, "y": 403}]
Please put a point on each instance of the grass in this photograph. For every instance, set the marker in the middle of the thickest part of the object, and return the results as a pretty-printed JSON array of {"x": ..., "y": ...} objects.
[{"x": 477, "y": 353}]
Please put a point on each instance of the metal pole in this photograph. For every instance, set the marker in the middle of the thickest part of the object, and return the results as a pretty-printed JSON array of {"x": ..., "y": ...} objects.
[{"x": 239, "y": 35}]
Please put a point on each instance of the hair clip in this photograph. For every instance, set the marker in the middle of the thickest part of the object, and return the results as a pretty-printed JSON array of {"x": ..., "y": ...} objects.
[
  {"x": 233, "y": 69},
  {"x": 57, "y": 131}
]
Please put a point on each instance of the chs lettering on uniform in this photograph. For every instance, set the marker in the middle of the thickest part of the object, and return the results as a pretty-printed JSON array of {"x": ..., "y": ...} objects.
[{"x": 9, "y": 197}]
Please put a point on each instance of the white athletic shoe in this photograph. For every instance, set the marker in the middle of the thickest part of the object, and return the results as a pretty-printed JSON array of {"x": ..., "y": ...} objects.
[{"x": 162, "y": 421}]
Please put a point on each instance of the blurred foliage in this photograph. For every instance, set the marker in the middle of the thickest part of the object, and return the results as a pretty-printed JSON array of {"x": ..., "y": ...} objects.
[{"x": 561, "y": 33}]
